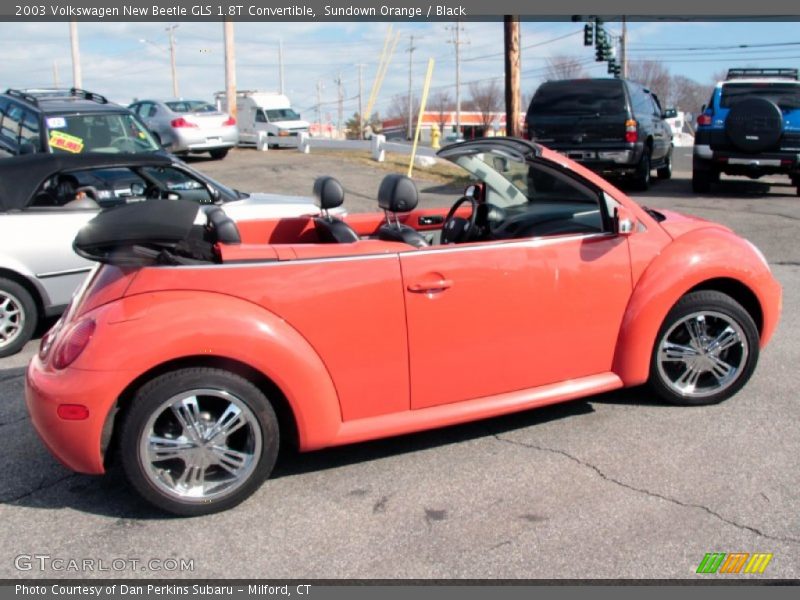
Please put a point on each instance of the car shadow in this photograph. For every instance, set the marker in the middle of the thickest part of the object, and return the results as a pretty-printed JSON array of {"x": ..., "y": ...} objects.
[{"x": 44, "y": 484}]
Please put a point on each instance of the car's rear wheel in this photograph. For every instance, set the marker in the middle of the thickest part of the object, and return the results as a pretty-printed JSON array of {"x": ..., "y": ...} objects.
[
  {"x": 219, "y": 154},
  {"x": 198, "y": 440},
  {"x": 641, "y": 179},
  {"x": 705, "y": 351},
  {"x": 18, "y": 317}
]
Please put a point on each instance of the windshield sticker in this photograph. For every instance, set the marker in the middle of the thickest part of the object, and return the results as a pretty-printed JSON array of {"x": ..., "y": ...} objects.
[
  {"x": 56, "y": 122},
  {"x": 65, "y": 141}
]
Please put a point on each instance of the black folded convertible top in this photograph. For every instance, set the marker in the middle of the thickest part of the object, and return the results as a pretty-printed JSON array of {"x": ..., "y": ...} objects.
[
  {"x": 21, "y": 176},
  {"x": 152, "y": 224}
]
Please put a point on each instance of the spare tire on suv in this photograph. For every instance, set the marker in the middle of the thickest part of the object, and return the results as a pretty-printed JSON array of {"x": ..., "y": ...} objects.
[{"x": 754, "y": 125}]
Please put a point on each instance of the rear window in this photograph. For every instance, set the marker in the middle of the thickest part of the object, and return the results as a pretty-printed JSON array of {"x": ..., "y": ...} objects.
[
  {"x": 191, "y": 106},
  {"x": 586, "y": 97},
  {"x": 785, "y": 95}
]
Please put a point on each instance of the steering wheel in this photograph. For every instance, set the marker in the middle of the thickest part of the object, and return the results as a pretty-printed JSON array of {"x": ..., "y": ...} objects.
[{"x": 457, "y": 230}]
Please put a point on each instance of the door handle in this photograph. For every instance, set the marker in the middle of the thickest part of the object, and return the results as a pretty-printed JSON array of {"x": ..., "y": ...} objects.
[{"x": 430, "y": 286}]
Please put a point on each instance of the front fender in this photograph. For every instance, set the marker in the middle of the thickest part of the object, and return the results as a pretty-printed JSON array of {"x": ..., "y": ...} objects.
[
  {"x": 139, "y": 333},
  {"x": 689, "y": 261}
]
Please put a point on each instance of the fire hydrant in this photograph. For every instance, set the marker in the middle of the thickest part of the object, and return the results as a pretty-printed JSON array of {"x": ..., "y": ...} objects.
[{"x": 435, "y": 136}]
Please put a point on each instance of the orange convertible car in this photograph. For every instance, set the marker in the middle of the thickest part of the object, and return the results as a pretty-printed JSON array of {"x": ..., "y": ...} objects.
[{"x": 198, "y": 345}]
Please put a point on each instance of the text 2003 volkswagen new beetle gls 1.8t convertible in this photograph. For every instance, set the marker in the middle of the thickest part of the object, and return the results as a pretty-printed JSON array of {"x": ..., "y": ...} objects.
[{"x": 197, "y": 346}]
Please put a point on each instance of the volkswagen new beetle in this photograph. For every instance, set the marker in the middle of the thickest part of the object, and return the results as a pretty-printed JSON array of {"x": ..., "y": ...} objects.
[{"x": 200, "y": 344}]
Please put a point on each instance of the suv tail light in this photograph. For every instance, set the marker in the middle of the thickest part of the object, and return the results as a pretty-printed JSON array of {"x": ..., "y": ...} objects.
[
  {"x": 181, "y": 122},
  {"x": 73, "y": 343},
  {"x": 704, "y": 120},
  {"x": 631, "y": 132},
  {"x": 229, "y": 122}
]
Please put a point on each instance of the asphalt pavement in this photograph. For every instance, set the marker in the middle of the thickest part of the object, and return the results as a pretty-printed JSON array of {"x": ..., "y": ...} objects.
[{"x": 612, "y": 486}]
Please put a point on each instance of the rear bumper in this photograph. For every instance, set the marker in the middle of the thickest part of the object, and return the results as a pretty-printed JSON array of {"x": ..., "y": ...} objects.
[
  {"x": 601, "y": 158},
  {"x": 79, "y": 445},
  {"x": 203, "y": 140}
]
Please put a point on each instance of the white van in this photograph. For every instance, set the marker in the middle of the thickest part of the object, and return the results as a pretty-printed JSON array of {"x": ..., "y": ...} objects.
[{"x": 268, "y": 112}]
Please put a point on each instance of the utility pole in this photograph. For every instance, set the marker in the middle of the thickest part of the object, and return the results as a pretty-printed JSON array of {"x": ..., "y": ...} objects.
[
  {"x": 319, "y": 105},
  {"x": 623, "y": 54},
  {"x": 55, "y": 75},
  {"x": 77, "y": 80},
  {"x": 340, "y": 115},
  {"x": 230, "y": 67},
  {"x": 410, "y": 51},
  {"x": 457, "y": 43},
  {"x": 280, "y": 63},
  {"x": 171, "y": 31},
  {"x": 511, "y": 30},
  {"x": 360, "y": 101}
]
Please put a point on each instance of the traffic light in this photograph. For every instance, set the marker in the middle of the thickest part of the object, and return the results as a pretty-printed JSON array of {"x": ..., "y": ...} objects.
[
  {"x": 588, "y": 35},
  {"x": 602, "y": 52},
  {"x": 599, "y": 32},
  {"x": 612, "y": 67}
]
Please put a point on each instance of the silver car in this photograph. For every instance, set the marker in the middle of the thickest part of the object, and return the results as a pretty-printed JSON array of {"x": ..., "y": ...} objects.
[
  {"x": 46, "y": 198},
  {"x": 188, "y": 126}
]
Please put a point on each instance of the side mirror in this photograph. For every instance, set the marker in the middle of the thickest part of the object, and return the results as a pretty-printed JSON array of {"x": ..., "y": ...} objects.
[
  {"x": 624, "y": 221},
  {"x": 670, "y": 113}
]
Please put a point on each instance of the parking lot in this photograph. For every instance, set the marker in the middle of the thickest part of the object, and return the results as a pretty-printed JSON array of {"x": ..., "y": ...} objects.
[{"x": 612, "y": 486}]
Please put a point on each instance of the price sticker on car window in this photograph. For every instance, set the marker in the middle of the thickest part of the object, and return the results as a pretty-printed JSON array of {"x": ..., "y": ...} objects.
[
  {"x": 64, "y": 141},
  {"x": 56, "y": 122}
]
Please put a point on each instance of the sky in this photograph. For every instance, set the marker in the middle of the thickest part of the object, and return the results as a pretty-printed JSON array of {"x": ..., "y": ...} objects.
[{"x": 124, "y": 61}]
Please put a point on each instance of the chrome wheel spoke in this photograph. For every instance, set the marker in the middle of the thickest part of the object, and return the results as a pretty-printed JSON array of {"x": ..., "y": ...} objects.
[
  {"x": 231, "y": 460},
  {"x": 720, "y": 369},
  {"x": 697, "y": 331},
  {"x": 677, "y": 352},
  {"x": 193, "y": 476},
  {"x": 162, "y": 448},
  {"x": 230, "y": 420},
  {"x": 728, "y": 338},
  {"x": 187, "y": 411},
  {"x": 688, "y": 379}
]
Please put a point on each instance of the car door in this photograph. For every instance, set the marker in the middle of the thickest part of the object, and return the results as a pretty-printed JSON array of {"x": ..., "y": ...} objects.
[
  {"x": 495, "y": 317},
  {"x": 662, "y": 134}
]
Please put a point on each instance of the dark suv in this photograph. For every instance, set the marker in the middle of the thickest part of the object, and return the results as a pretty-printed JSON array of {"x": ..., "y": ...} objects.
[
  {"x": 611, "y": 126},
  {"x": 750, "y": 127},
  {"x": 70, "y": 121}
]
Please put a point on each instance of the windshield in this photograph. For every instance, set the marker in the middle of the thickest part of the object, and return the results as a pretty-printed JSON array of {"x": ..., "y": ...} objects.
[
  {"x": 282, "y": 114},
  {"x": 785, "y": 95},
  {"x": 584, "y": 97},
  {"x": 191, "y": 106},
  {"x": 107, "y": 132}
]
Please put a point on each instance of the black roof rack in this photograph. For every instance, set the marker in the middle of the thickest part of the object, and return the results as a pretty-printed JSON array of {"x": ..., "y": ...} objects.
[
  {"x": 744, "y": 73},
  {"x": 22, "y": 96},
  {"x": 88, "y": 95}
]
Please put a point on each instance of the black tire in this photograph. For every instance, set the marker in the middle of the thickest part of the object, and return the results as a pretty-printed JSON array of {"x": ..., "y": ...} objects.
[
  {"x": 754, "y": 125},
  {"x": 200, "y": 383},
  {"x": 18, "y": 317},
  {"x": 641, "y": 179},
  {"x": 219, "y": 154},
  {"x": 702, "y": 177},
  {"x": 665, "y": 171},
  {"x": 721, "y": 315}
]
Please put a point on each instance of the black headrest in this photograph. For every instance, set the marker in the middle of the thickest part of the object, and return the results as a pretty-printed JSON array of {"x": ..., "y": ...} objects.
[
  {"x": 397, "y": 193},
  {"x": 328, "y": 192},
  {"x": 224, "y": 226}
]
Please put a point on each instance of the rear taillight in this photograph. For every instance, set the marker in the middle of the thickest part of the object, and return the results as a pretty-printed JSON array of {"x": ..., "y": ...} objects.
[
  {"x": 704, "y": 120},
  {"x": 229, "y": 122},
  {"x": 631, "y": 131},
  {"x": 73, "y": 342},
  {"x": 181, "y": 122}
]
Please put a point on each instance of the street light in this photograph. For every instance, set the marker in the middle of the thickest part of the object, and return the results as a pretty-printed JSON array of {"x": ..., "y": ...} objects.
[{"x": 171, "y": 31}]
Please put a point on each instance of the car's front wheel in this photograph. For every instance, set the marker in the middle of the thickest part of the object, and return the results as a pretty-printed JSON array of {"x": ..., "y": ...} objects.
[
  {"x": 665, "y": 170},
  {"x": 18, "y": 317},
  {"x": 705, "y": 351},
  {"x": 198, "y": 440}
]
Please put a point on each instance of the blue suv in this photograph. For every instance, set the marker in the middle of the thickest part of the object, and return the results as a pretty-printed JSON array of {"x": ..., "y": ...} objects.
[{"x": 750, "y": 127}]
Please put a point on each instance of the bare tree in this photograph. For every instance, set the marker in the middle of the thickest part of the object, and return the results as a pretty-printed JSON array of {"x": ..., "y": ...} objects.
[
  {"x": 398, "y": 109},
  {"x": 487, "y": 98},
  {"x": 564, "y": 67},
  {"x": 688, "y": 95},
  {"x": 442, "y": 104},
  {"x": 653, "y": 75}
]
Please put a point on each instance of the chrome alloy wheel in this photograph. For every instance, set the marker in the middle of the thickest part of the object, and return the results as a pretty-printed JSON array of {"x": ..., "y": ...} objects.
[
  {"x": 200, "y": 445},
  {"x": 702, "y": 354},
  {"x": 12, "y": 318}
]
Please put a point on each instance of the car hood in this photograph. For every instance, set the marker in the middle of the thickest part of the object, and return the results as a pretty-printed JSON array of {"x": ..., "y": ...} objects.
[
  {"x": 677, "y": 224},
  {"x": 272, "y": 206}
]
